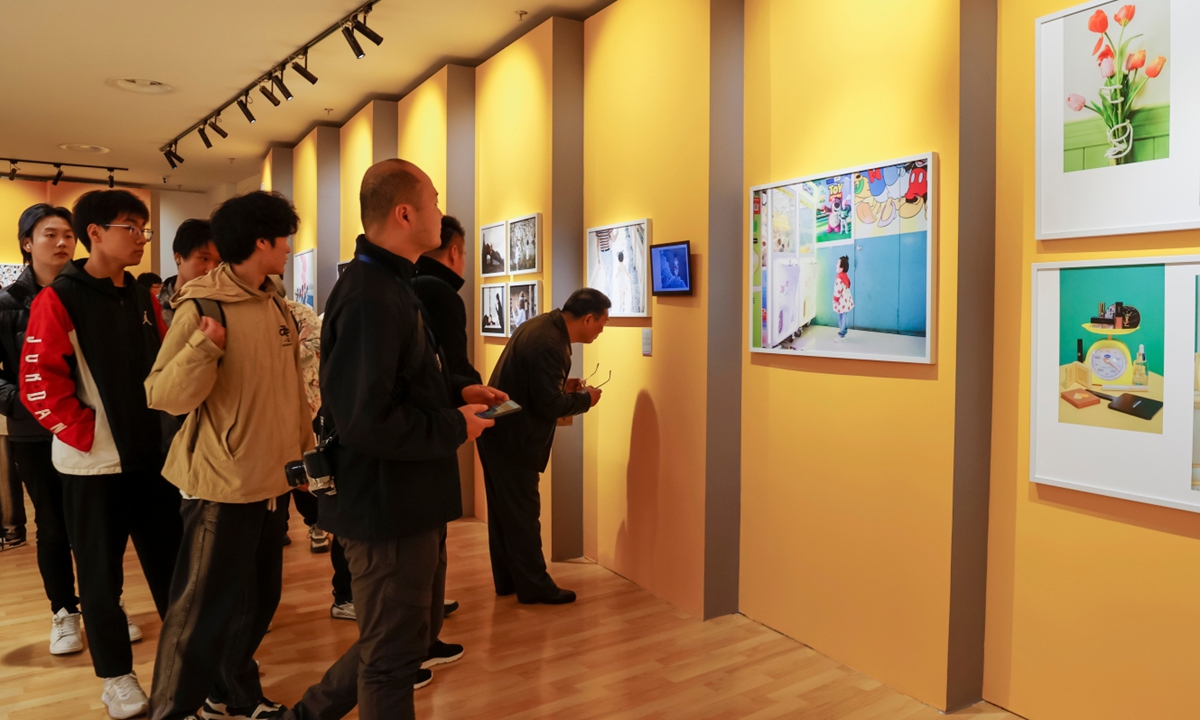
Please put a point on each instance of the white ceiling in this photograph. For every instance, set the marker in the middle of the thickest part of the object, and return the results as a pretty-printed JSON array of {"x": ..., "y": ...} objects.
[{"x": 57, "y": 55}]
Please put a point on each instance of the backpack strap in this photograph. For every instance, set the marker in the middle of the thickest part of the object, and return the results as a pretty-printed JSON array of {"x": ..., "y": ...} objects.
[{"x": 209, "y": 308}]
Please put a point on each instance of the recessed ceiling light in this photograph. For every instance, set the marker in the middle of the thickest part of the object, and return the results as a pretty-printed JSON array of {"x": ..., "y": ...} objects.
[
  {"x": 140, "y": 86},
  {"x": 79, "y": 147}
]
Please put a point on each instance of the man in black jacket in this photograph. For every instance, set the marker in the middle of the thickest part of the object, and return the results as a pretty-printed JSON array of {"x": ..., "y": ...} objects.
[
  {"x": 47, "y": 244},
  {"x": 533, "y": 370},
  {"x": 399, "y": 416},
  {"x": 439, "y": 278}
]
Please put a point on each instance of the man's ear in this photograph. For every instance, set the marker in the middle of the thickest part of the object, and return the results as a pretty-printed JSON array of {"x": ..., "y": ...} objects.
[{"x": 94, "y": 233}]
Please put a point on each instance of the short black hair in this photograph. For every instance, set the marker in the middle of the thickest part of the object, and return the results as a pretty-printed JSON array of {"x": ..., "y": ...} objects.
[
  {"x": 587, "y": 301},
  {"x": 33, "y": 215},
  {"x": 102, "y": 207},
  {"x": 451, "y": 228},
  {"x": 844, "y": 263},
  {"x": 240, "y": 222},
  {"x": 149, "y": 279},
  {"x": 192, "y": 235}
]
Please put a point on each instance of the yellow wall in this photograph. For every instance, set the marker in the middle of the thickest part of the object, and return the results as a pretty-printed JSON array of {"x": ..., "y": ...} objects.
[
  {"x": 357, "y": 137},
  {"x": 304, "y": 190},
  {"x": 513, "y": 143},
  {"x": 421, "y": 121},
  {"x": 17, "y": 195},
  {"x": 646, "y": 156},
  {"x": 847, "y": 465},
  {"x": 1091, "y": 600}
]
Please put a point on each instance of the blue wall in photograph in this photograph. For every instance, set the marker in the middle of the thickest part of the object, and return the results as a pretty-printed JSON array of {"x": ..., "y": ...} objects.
[{"x": 887, "y": 279}]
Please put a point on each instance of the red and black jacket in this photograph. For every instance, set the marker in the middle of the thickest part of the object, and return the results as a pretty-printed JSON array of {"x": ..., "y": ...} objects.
[{"x": 88, "y": 349}]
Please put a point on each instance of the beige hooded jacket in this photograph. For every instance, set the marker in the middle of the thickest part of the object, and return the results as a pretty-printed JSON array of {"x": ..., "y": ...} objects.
[{"x": 247, "y": 415}]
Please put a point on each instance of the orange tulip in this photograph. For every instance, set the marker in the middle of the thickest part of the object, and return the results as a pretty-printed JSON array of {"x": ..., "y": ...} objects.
[
  {"x": 1099, "y": 44},
  {"x": 1155, "y": 67},
  {"x": 1105, "y": 54},
  {"x": 1135, "y": 60},
  {"x": 1098, "y": 22},
  {"x": 1125, "y": 15}
]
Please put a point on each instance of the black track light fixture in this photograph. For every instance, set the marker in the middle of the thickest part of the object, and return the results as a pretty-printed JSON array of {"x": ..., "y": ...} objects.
[
  {"x": 367, "y": 32},
  {"x": 302, "y": 70},
  {"x": 243, "y": 103},
  {"x": 266, "y": 92},
  {"x": 217, "y": 128},
  {"x": 112, "y": 183},
  {"x": 283, "y": 89},
  {"x": 57, "y": 175},
  {"x": 204, "y": 136},
  {"x": 174, "y": 155},
  {"x": 12, "y": 171},
  {"x": 170, "y": 160},
  {"x": 348, "y": 32}
]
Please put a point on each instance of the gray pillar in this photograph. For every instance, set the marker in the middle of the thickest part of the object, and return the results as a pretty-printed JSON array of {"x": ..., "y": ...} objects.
[
  {"x": 329, "y": 210},
  {"x": 279, "y": 158}
]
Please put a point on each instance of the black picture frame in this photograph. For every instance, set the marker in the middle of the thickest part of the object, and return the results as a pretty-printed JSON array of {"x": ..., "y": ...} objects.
[{"x": 659, "y": 254}]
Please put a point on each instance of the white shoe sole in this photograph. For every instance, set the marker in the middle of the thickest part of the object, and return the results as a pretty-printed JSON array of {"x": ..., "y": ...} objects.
[
  {"x": 67, "y": 651},
  {"x": 418, "y": 686},
  {"x": 434, "y": 662},
  {"x": 137, "y": 710}
]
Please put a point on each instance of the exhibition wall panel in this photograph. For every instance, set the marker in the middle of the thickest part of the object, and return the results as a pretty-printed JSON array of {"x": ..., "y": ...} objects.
[
  {"x": 1089, "y": 597},
  {"x": 646, "y": 140},
  {"x": 848, "y": 479},
  {"x": 317, "y": 195},
  {"x": 365, "y": 139},
  {"x": 421, "y": 130}
]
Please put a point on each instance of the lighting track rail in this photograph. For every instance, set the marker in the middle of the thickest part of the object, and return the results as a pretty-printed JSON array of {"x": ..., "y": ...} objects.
[
  {"x": 58, "y": 167},
  {"x": 355, "y": 21}
]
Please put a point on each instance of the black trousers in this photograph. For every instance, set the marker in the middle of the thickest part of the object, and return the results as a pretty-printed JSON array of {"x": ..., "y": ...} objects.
[
  {"x": 307, "y": 505},
  {"x": 514, "y": 527},
  {"x": 12, "y": 499},
  {"x": 399, "y": 591},
  {"x": 103, "y": 512},
  {"x": 225, "y": 591},
  {"x": 45, "y": 486}
]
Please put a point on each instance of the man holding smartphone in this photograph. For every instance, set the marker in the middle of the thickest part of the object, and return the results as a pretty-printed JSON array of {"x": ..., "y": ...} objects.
[{"x": 533, "y": 370}]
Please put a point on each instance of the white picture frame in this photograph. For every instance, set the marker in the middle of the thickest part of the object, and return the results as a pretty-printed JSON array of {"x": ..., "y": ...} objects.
[
  {"x": 495, "y": 238},
  {"x": 519, "y": 252},
  {"x": 1076, "y": 195},
  {"x": 9, "y": 273},
  {"x": 304, "y": 278},
  {"x": 810, "y": 247},
  {"x": 518, "y": 313},
  {"x": 626, "y": 281},
  {"x": 493, "y": 310},
  {"x": 1154, "y": 466}
]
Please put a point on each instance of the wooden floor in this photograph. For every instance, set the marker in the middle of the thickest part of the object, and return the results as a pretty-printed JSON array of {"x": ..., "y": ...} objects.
[{"x": 617, "y": 653}]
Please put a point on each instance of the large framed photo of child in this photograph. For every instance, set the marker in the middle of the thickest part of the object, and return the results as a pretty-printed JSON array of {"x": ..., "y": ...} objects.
[
  {"x": 1118, "y": 121},
  {"x": 843, "y": 263}
]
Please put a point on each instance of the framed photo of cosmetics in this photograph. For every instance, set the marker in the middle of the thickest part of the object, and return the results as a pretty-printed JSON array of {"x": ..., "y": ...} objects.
[
  {"x": 1115, "y": 379},
  {"x": 1118, "y": 119}
]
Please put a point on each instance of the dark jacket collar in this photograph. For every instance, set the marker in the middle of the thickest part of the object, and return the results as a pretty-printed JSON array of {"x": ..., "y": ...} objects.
[
  {"x": 74, "y": 270},
  {"x": 398, "y": 265},
  {"x": 428, "y": 266},
  {"x": 560, "y": 324}
]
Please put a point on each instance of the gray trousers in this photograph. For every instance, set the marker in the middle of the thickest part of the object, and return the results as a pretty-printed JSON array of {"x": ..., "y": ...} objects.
[{"x": 399, "y": 589}]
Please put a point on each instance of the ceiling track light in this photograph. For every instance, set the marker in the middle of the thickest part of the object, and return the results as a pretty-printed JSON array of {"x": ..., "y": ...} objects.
[
  {"x": 111, "y": 182},
  {"x": 348, "y": 33},
  {"x": 170, "y": 160},
  {"x": 302, "y": 70},
  {"x": 266, "y": 91},
  {"x": 217, "y": 128},
  {"x": 367, "y": 32},
  {"x": 58, "y": 175},
  {"x": 174, "y": 155},
  {"x": 243, "y": 103},
  {"x": 12, "y": 171},
  {"x": 204, "y": 136},
  {"x": 283, "y": 89}
]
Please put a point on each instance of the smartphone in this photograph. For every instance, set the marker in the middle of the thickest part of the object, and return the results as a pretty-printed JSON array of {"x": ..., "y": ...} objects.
[{"x": 504, "y": 408}]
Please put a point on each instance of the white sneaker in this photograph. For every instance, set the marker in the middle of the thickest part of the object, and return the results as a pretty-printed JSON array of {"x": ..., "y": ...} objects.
[
  {"x": 124, "y": 697},
  {"x": 64, "y": 634},
  {"x": 342, "y": 611},
  {"x": 135, "y": 632}
]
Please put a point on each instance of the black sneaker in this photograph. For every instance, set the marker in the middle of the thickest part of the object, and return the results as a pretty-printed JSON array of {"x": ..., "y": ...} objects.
[
  {"x": 14, "y": 537},
  {"x": 424, "y": 677},
  {"x": 442, "y": 653},
  {"x": 449, "y": 607},
  {"x": 264, "y": 710}
]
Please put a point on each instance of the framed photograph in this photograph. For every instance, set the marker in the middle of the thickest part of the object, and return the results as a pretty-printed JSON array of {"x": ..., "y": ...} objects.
[
  {"x": 618, "y": 265},
  {"x": 843, "y": 264},
  {"x": 9, "y": 273},
  {"x": 1115, "y": 379},
  {"x": 523, "y": 305},
  {"x": 525, "y": 244},
  {"x": 1118, "y": 126},
  {"x": 671, "y": 268},
  {"x": 493, "y": 310},
  {"x": 304, "y": 278},
  {"x": 493, "y": 249}
]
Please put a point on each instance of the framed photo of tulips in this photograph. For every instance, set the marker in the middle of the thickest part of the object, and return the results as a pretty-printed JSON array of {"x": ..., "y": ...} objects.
[{"x": 1118, "y": 119}]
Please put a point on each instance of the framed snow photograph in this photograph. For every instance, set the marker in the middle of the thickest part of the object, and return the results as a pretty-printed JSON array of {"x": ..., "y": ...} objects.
[
  {"x": 525, "y": 244},
  {"x": 618, "y": 265},
  {"x": 1118, "y": 119}
]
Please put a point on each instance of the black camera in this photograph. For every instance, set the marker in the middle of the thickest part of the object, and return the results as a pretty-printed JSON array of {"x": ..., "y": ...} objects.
[{"x": 295, "y": 473}]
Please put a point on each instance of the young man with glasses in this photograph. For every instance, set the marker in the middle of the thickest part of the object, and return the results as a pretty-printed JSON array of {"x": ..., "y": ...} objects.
[
  {"x": 92, "y": 338},
  {"x": 533, "y": 370}
]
